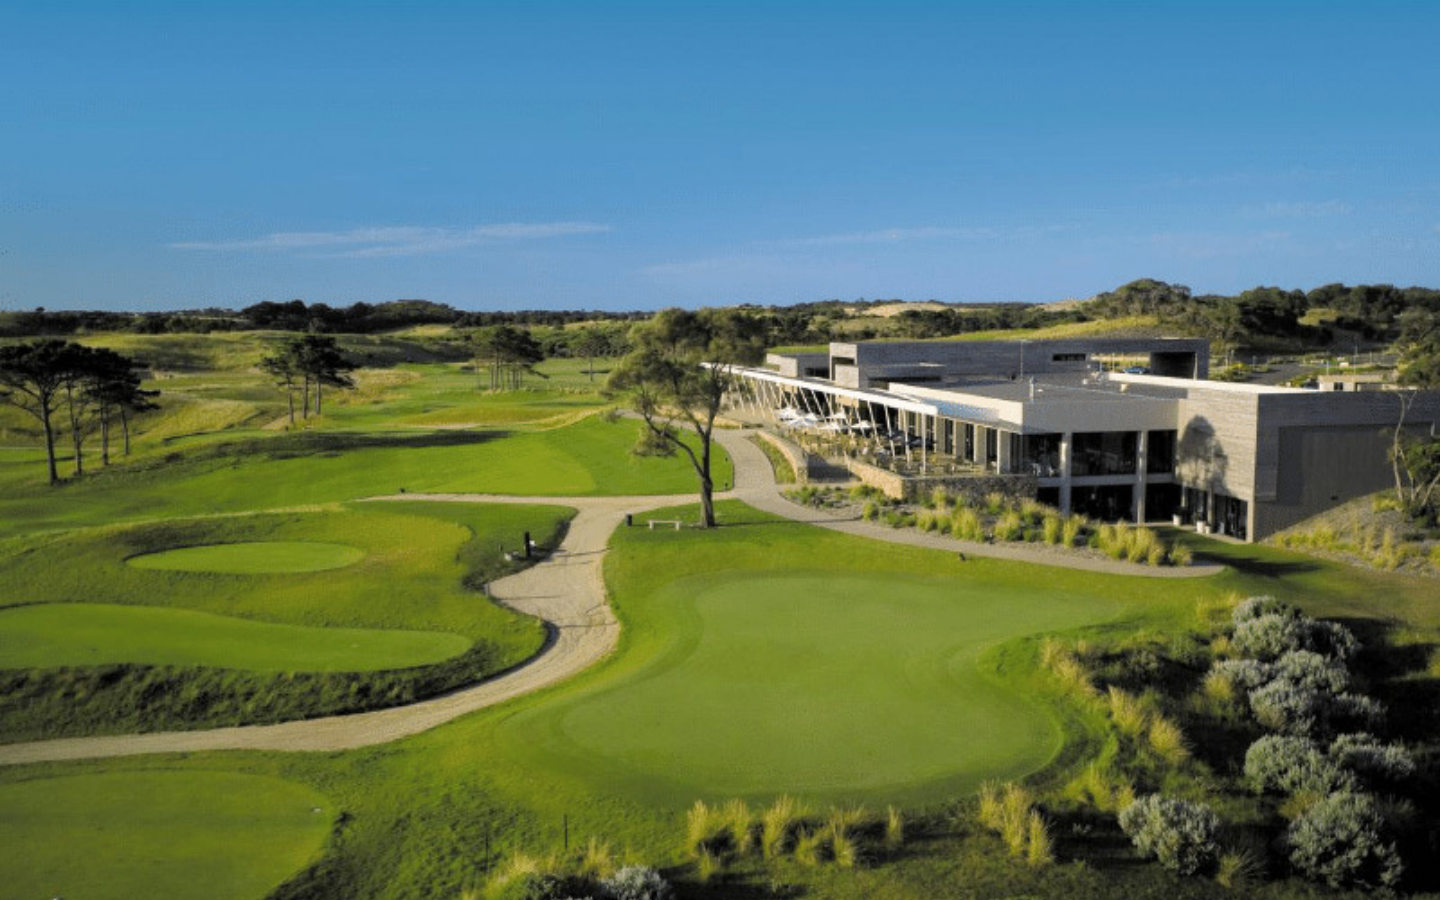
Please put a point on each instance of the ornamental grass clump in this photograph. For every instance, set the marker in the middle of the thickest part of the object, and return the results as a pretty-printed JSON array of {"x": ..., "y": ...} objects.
[
  {"x": 1009, "y": 527},
  {"x": 1168, "y": 741},
  {"x": 1006, "y": 811},
  {"x": 739, "y": 826},
  {"x": 776, "y": 823},
  {"x": 596, "y": 859},
  {"x": 704, "y": 827},
  {"x": 1128, "y": 712},
  {"x": 1071, "y": 531},
  {"x": 1180, "y": 834},
  {"x": 1238, "y": 869},
  {"x": 1039, "y": 849},
  {"x": 808, "y": 845},
  {"x": 965, "y": 524},
  {"x": 894, "y": 830},
  {"x": 1052, "y": 528}
]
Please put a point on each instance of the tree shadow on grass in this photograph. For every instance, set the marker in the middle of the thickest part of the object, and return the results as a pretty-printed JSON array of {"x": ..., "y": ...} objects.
[{"x": 1251, "y": 563}]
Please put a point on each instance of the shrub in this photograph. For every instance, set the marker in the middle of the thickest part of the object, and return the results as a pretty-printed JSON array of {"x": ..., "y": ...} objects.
[
  {"x": 1367, "y": 757},
  {"x": 1140, "y": 543},
  {"x": 926, "y": 520},
  {"x": 1293, "y": 765},
  {"x": 1288, "y": 708},
  {"x": 1255, "y": 607},
  {"x": 1331, "y": 639},
  {"x": 637, "y": 883},
  {"x": 995, "y": 503},
  {"x": 1246, "y": 674},
  {"x": 1178, "y": 833},
  {"x": 940, "y": 498},
  {"x": 1341, "y": 841},
  {"x": 870, "y": 510},
  {"x": 1309, "y": 669},
  {"x": 1156, "y": 555},
  {"x": 1356, "y": 711},
  {"x": 1269, "y": 636}
]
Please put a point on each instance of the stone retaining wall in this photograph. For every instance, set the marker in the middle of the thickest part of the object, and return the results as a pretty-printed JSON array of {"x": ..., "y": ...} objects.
[
  {"x": 799, "y": 460},
  {"x": 972, "y": 487}
]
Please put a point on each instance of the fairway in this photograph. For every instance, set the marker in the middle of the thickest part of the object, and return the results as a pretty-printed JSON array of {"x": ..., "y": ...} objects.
[
  {"x": 171, "y": 834},
  {"x": 825, "y": 684},
  {"x": 88, "y": 634},
  {"x": 252, "y": 558}
]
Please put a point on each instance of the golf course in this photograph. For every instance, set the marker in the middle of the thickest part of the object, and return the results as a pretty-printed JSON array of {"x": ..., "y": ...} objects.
[{"x": 229, "y": 581}]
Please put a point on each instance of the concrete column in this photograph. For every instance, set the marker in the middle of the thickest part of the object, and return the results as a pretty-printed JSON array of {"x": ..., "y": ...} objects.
[
  {"x": 1142, "y": 452},
  {"x": 1065, "y": 502},
  {"x": 1002, "y": 451}
]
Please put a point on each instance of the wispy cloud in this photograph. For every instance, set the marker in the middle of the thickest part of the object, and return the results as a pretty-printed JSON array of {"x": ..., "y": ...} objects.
[
  {"x": 1301, "y": 210},
  {"x": 904, "y": 235},
  {"x": 360, "y": 243}
]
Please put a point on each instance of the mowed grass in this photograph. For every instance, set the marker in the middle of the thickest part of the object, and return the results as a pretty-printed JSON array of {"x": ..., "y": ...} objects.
[
  {"x": 171, "y": 834},
  {"x": 827, "y": 684},
  {"x": 89, "y": 634},
  {"x": 252, "y": 558},
  {"x": 589, "y": 458}
]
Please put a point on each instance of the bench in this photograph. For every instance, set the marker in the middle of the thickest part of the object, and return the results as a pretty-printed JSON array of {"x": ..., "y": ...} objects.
[{"x": 675, "y": 522}]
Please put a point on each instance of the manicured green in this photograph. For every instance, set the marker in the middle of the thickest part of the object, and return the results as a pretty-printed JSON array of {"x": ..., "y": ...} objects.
[
  {"x": 171, "y": 834},
  {"x": 409, "y": 614},
  {"x": 252, "y": 558},
  {"x": 828, "y": 684},
  {"x": 88, "y": 634}
]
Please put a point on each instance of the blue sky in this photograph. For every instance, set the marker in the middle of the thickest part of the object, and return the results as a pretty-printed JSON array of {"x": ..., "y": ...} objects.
[{"x": 637, "y": 155}]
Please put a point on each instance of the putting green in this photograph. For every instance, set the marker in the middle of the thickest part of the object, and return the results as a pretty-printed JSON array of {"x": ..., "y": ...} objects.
[
  {"x": 252, "y": 558},
  {"x": 172, "y": 834},
  {"x": 86, "y": 634},
  {"x": 821, "y": 684}
]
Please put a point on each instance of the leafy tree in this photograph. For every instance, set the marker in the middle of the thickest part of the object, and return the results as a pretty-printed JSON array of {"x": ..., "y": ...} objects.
[
  {"x": 509, "y": 352},
  {"x": 323, "y": 364},
  {"x": 591, "y": 343},
  {"x": 680, "y": 370},
  {"x": 112, "y": 384},
  {"x": 33, "y": 378},
  {"x": 283, "y": 366},
  {"x": 1416, "y": 459}
]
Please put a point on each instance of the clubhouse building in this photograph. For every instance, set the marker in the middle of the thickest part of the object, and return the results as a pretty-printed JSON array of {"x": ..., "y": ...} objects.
[{"x": 1152, "y": 440}]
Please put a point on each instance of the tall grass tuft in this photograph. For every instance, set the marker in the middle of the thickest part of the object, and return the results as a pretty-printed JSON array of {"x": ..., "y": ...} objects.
[
  {"x": 940, "y": 499},
  {"x": 707, "y": 865},
  {"x": 1039, "y": 851},
  {"x": 1015, "y": 819},
  {"x": 1128, "y": 712},
  {"x": 1072, "y": 673},
  {"x": 1071, "y": 531},
  {"x": 1009, "y": 527},
  {"x": 844, "y": 847},
  {"x": 776, "y": 823},
  {"x": 1051, "y": 528},
  {"x": 1238, "y": 869},
  {"x": 596, "y": 860},
  {"x": 894, "y": 830},
  {"x": 1168, "y": 741},
  {"x": 807, "y": 846},
  {"x": 739, "y": 823},
  {"x": 995, "y": 503},
  {"x": 965, "y": 524},
  {"x": 702, "y": 826}
]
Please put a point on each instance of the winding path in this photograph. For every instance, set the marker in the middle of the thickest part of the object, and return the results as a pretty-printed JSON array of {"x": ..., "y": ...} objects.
[{"x": 567, "y": 591}]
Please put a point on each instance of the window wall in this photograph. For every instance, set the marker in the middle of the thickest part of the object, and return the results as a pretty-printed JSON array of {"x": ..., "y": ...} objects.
[{"x": 1103, "y": 453}]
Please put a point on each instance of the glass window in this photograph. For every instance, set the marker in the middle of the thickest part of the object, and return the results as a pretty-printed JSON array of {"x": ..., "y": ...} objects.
[{"x": 1103, "y": 453}]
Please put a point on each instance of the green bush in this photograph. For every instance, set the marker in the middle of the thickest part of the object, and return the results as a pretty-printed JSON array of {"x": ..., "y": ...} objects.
[
  {"x": 1181, "y": 834},
  {"x": 636, "y": 883},
  {"x": 1293, "y": 765},
  {"x": 1051, "y": 527},
  {"x": 1341, "y": 840},
  {"x": 1009, "y": 527},
  {"x": 965, "y": 524},
  {"x": 870, "y": 511},
  {"x": 1368, "y": 757}
]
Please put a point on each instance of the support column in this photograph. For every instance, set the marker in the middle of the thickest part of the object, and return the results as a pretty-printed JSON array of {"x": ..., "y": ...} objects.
[
  {"x": 1002, "y": 451},
  {"x": 1065, "y": 499},
  {"x": 1142, "y": 451}
]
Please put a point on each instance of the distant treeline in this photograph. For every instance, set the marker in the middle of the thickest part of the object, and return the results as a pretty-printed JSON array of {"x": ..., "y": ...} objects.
[
  {"x": 294, "y": 315},
  {"x": 1263, "y": 317}
]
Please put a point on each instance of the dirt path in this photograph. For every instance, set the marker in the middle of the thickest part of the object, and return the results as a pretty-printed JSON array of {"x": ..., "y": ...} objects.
[{"x": 567, "y": 591}]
